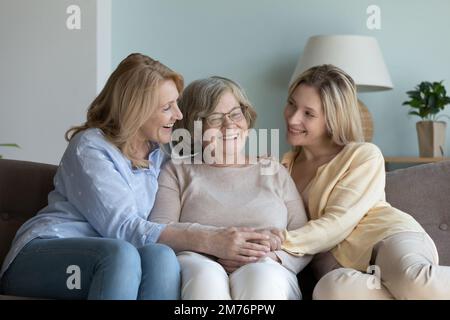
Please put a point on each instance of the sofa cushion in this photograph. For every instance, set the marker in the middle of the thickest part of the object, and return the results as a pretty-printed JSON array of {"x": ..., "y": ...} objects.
[
  {"x": 8, "y": 228},
  {"x": 424, "y": 192},
  {"x": 24, "y": 187}
]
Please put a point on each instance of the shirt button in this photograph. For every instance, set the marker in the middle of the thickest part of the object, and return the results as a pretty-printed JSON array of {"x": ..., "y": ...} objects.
[{"x": 443, "y": 226}]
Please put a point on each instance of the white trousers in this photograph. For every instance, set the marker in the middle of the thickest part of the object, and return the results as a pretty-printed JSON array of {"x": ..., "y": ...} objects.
[
  {"x": 202, "y": 278},
  {"x": 406, "y": 267}
]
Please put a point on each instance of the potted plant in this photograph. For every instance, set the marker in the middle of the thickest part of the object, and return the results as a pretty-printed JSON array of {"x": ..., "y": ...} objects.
[
  {"x": 8, "y": 145},
  {"x": 426, "y": 101}
]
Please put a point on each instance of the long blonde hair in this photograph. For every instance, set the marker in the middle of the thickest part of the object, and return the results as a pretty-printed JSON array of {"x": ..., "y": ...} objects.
[
  {"x": 127, "y": 101},
  {"x": 337, "y": 93}
]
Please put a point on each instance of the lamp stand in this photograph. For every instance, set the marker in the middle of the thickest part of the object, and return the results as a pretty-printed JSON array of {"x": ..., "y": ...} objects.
[{"x": 366, "y": 121}]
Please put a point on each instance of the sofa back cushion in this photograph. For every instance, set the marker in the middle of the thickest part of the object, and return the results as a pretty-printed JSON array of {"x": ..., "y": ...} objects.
[
  {"x": 24, "y": 187},
  {"x": 424, "y": 192}
]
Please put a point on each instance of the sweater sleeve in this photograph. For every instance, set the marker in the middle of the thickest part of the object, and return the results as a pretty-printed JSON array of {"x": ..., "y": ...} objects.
[
  {"x": 296, "y": 219},
  {"x": 167, "y": 207},
  {"x": 358, "y": 190}
]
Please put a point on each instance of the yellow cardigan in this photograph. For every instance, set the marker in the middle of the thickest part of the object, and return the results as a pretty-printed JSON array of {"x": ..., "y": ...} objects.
[{"x": 348, "y": 209}]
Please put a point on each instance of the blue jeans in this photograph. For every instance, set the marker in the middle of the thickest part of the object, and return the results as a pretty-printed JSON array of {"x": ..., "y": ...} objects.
[{"x": 93, "y": 268}]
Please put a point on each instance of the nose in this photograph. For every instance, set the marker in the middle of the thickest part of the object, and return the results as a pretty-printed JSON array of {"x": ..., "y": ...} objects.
[
  {"x": 294, "y": 117},
  {"x": 227, "y": 122},
  {"x": 177, "y": 114}
]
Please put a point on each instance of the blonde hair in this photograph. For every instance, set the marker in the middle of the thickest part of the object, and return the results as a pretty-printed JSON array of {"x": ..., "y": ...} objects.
[
  {"x": 200, "y": 98},
  {"x": 127, "y": 101},
  {"x": 337, "y": 93}
]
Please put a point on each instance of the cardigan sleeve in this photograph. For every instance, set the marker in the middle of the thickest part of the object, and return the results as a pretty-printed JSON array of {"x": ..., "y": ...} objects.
[
  {"x": 358, "y": 190},
  {"x": 296, "y": 219}
]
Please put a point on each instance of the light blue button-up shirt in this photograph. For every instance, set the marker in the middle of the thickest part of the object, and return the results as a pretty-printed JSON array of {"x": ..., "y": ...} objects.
[{"x": 97, "y": 194}]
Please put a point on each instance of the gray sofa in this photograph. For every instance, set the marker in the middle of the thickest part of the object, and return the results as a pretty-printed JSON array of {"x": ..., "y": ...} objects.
[{"x": 423, "y": 191}]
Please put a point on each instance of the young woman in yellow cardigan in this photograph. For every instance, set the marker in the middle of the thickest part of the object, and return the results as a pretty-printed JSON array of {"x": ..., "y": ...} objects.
[{"x": 352, "y": 229}]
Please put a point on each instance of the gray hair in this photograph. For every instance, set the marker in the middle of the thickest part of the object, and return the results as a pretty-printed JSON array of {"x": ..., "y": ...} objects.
[{"x": 201, "y": 97}]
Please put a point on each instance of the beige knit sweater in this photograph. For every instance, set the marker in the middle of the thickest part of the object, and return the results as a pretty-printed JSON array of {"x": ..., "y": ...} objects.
[{"x": 231, "y": 196}]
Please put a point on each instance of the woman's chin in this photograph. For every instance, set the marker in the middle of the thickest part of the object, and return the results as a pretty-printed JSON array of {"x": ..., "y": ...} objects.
[
  {"x": 295, "y": 141},
  {"x": 164, "y": 137},
  {"x": 233, "y": 156}
]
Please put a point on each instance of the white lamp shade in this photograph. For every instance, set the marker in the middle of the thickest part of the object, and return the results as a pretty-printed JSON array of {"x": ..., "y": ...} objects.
[{"x": 359, "y": 56}]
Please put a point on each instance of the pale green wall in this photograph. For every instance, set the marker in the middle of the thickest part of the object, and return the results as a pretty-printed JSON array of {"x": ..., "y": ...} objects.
[{"x": 258, "y": 42}]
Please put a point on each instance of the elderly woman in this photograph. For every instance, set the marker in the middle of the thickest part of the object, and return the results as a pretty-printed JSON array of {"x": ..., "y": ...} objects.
[{"x": 223, "y": 191}]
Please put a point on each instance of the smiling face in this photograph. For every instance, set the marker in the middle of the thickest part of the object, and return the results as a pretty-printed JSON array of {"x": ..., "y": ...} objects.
[
  {"x": 230, "y": 136},
  {"x": 158, "y": 128},
  {"x": 305, "y": 119}
]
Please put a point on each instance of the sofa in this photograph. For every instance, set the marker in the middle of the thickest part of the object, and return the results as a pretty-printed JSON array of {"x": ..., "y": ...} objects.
[{"x": 423, "y": 191}]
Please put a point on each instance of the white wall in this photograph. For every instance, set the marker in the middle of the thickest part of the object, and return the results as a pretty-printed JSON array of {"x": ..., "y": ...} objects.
[{"x": 48, "y": 73}]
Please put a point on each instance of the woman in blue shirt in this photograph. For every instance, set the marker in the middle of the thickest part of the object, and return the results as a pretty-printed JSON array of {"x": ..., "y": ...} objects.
[{"x": 93, "y": 240}]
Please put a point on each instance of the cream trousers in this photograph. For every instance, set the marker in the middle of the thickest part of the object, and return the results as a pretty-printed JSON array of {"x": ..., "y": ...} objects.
[
  {"x": 202, "y": 278},
  {"x": 406, "y": 267}
]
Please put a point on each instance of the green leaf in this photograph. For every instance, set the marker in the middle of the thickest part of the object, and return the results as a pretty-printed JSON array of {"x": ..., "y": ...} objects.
[
  {"x": 438, "y": 89},
  {"x": 9, "y": 145},
  {"x": 414, "y": 113},
  {"x": 423, "y": 113},
  {"x": 431, "y": 102},
  {"x": 415, "y": 104},
  {"x": 424, "y": 86},
  {"x": 414, "y": 94}
]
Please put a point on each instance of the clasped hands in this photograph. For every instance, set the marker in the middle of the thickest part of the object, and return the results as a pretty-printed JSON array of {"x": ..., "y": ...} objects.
[{"x": 238, "y": 246}]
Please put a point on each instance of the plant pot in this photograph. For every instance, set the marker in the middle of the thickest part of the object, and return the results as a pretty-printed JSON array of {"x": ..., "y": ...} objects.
[{"x": 431, "y": 136}]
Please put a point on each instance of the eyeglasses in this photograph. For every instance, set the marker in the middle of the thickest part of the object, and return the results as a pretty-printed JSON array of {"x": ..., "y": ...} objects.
[{"x": 216, "y": 119}]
